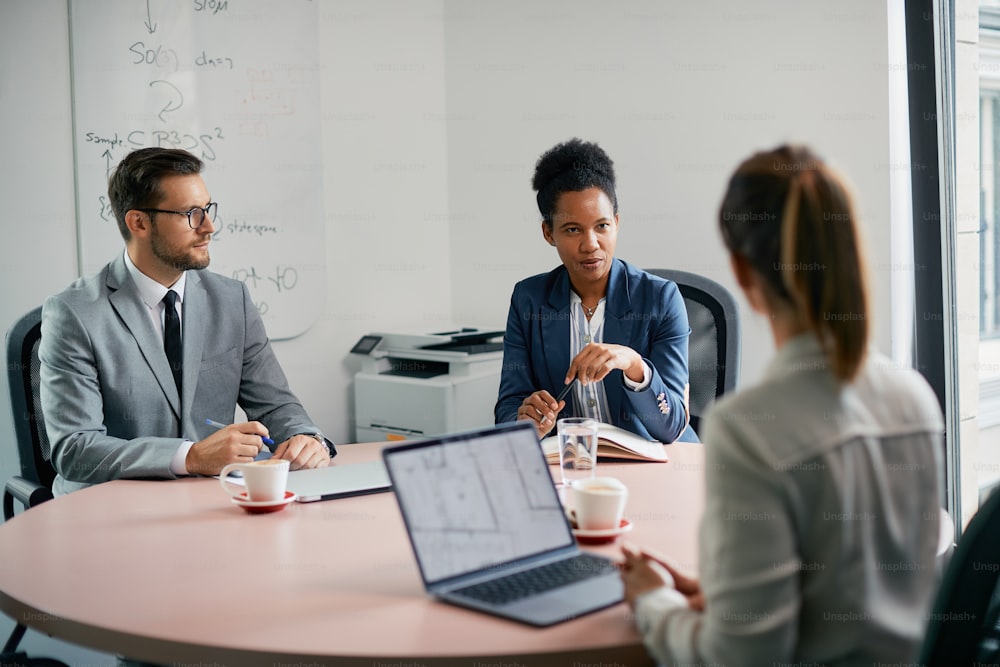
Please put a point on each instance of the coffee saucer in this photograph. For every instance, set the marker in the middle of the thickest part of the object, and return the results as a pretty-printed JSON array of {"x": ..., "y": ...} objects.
[
  {"x": 601, "y": 536},
  {"x": 265, "y": 506}
]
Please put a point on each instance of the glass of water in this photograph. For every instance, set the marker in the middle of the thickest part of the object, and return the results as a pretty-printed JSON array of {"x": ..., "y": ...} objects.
[{"x": 577, "y": 448}]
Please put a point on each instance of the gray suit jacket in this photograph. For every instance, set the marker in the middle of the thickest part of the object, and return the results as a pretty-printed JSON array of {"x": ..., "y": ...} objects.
[{"x": 110, "y": 403}]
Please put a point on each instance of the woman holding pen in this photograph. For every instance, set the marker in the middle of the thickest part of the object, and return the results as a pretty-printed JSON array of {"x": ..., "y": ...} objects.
[
  {"x": 612, "y": 335},
  {"x": 820, "y": 529}
]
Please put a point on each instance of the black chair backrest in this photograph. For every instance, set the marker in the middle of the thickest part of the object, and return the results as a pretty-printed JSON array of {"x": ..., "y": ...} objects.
[
  {"x": 24, "y": 378},
  {"x": 963, "y": 626},
  {"x": 714, "y": 345}
]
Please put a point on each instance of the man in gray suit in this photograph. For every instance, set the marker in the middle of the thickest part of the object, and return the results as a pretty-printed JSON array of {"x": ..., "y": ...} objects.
[{"x": 114, "y": 405}]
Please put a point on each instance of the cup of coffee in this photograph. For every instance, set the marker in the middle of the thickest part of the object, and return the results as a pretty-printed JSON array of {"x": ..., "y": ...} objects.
[
  {"x": 599, "y": 503},
  {"x": 264, "y": 481}
]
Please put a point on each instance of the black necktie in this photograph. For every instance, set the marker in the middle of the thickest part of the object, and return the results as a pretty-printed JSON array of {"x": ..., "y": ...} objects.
[{"x": 172, "y": 336}]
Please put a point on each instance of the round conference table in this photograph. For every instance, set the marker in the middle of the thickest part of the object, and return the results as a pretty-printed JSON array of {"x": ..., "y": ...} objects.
[{"x": 173, "y": 572}]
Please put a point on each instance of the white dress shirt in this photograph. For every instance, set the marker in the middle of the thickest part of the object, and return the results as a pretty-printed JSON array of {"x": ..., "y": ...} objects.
[
  {"x": 592, "y": 400},
  {"x": 152, "y": 293}
]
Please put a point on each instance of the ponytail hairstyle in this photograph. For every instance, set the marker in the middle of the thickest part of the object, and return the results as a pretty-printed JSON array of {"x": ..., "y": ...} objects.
[
  {"x": 572, "y": 166},
  {"x": 790, "y": 216}
]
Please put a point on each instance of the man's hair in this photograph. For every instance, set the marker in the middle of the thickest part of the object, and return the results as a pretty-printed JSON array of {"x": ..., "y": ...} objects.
[
  {"x": 790, "y": 216},
  {"x": 135, "y": 182},
  {"x": 572, "y": 166}
]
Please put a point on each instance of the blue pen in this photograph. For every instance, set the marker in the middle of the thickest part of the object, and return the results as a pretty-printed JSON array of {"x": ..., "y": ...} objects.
[{"x": 215, "y": 424}]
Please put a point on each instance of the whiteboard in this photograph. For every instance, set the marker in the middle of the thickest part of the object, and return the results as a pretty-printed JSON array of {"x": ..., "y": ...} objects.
[{"x": 236, "y": 82}]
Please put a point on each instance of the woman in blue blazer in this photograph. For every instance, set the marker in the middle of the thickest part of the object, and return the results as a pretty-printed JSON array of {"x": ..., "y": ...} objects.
[{"x": 619, "y": 332}]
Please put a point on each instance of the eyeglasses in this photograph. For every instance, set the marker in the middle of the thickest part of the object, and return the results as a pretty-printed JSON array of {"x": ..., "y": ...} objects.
[{"x": 196, "y": 216}]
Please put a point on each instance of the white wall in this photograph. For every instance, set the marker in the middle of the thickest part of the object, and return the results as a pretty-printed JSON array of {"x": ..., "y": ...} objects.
[
  {"x": 38, "y": 232},
  {"x": 385, "y": 194},
  {"x": 434, "y": 113},
  {"x": 677, "y": 94}
]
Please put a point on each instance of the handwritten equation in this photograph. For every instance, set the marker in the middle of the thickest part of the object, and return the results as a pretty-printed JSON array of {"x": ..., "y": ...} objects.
[
  {"x": 155, "y": 54},
  {"x": 201, "y": 145},
  {"x": 234, "y": 83},
  {"x": 283, "y": 279}
]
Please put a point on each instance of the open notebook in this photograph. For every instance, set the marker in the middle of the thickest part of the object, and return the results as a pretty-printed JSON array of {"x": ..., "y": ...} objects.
[{"x": 614, "y": 443}]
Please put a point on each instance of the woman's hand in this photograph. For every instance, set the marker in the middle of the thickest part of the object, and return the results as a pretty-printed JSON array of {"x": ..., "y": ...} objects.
[
  {"x": 596, "y": 360},
  {"x": 641, "y": 575},
  {"x": 643, "y": 571},
  {"x": 541, "y": 408}
]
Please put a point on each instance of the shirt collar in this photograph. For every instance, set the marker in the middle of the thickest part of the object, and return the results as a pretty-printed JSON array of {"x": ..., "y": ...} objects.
[
  {"x": 150, "y": 291},
  {"x": 803, "y": 352}
]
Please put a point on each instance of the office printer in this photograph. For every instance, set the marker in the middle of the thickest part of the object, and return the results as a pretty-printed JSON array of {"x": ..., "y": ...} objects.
[{"x": 419, "y": 385}]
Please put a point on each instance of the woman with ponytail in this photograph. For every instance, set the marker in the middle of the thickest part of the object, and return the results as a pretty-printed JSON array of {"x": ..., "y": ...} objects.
[
  {"x": 617, "y": 333},
  {"x": 820, "y": 529}
]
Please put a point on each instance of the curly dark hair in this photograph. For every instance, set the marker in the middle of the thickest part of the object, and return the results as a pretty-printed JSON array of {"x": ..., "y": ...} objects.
[{"x": 572, "y": 166}]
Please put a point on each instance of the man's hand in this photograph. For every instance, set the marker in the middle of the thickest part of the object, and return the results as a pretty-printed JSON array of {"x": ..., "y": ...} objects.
[
  {"x": 540, "y": 408},
  {"x": 237, "y": 443},
  {"x": 596, "y": 360},
  {"x": 303, "y": 451}
]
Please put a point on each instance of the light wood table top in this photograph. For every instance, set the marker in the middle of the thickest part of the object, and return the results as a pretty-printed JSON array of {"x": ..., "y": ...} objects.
[{"x": 173, "y": 572}]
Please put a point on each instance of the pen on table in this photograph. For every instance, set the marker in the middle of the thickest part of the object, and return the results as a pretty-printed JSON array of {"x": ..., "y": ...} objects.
[
  {"x": 215, "y": 424},
  {"x": 562, "y": 394}
]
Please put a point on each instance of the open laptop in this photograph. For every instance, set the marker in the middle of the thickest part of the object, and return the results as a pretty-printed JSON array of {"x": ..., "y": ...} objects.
[{"x": 486, "y": 525}]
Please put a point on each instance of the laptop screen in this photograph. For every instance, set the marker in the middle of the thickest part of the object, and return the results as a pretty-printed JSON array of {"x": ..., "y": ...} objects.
[{"x": 477, "y": 500}]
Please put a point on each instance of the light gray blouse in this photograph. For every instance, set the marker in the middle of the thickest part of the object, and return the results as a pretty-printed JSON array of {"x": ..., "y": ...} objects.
[{"x": 819, "y": 536}]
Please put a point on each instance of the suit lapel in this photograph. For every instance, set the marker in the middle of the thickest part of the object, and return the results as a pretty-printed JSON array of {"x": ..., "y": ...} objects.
[
  {"x": 555, "y": 331},
  {"x": 618, "y": 322},
  {"x": 125, "y": 299},
  {"x": 194, "y": 323}
]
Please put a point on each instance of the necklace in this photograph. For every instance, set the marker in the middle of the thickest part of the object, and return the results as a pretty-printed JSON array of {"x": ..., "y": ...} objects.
[{"x": 590, "y": 311}]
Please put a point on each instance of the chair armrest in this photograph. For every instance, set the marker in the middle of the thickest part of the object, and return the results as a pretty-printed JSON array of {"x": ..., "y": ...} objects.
[{"x": 26, "y": 492}]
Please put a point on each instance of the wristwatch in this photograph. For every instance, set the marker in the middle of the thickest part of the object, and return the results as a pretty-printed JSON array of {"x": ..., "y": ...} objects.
[{"x": 322, "y": 440}]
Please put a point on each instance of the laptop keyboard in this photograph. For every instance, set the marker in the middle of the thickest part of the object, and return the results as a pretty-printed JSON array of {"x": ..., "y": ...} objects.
[{"x": 538, "y": 580}]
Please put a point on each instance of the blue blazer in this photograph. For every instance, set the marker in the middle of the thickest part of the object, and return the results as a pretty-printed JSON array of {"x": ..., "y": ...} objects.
[{"x": 642, "y": 311}]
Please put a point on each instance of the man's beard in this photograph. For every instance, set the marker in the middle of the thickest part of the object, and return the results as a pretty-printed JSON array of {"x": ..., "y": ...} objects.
[{"x": 173, "y": 256}]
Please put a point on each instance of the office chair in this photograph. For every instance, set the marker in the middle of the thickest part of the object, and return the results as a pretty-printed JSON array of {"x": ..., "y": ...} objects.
[
  {"x": 34, "y": 485},
  {"x": 964, "y": 625},
  {"x": 714, "y": 345}
]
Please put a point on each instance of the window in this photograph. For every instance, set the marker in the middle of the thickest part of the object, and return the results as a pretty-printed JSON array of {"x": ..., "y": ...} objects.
[{"x": 988, "y": 458}]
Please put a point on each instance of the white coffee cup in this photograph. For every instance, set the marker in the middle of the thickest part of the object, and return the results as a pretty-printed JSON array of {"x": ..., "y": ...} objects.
[
  {"x": 599, "y": 503},
  {"x": 264, "y": 481}
]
